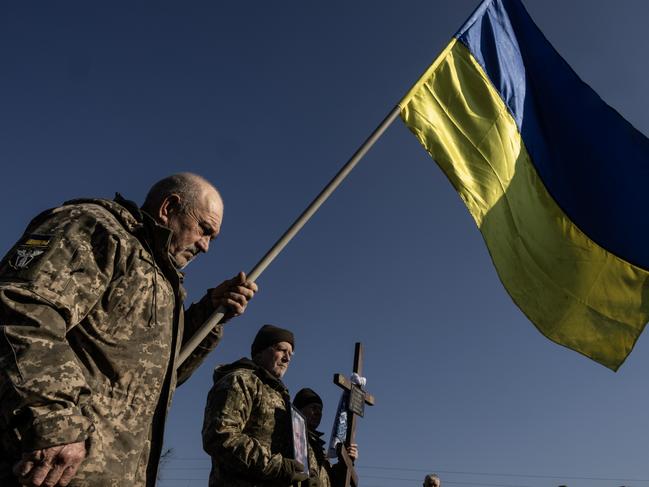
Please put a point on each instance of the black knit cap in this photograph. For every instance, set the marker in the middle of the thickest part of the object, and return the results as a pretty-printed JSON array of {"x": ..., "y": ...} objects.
[
  {"x": 306, "y": 396},
  {"x": 269, "y": 335}
]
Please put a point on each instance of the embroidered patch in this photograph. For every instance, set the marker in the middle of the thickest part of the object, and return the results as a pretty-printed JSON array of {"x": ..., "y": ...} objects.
[{"x": 29, "y": 250}]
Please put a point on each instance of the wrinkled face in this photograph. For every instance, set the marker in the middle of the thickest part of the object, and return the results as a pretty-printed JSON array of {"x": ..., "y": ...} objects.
[
  {"x": 313, "y": 414},
  {"x": 275, "y": 359},
  {"x": 194, "y": 229}
]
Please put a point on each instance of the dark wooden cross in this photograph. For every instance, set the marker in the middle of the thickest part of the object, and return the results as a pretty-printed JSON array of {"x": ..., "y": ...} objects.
[{"x": 355, "y": 407}]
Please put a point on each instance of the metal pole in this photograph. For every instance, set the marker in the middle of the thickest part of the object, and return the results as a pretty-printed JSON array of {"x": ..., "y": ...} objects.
[{"x": 217, "y": 316}]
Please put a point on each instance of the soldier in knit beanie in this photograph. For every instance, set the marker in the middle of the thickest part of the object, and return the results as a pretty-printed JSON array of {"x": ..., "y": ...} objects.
[
  {"x": 247, "y": 423},
  {"x": 309, "y": 403},
  {"x": 269, "y": 335}
]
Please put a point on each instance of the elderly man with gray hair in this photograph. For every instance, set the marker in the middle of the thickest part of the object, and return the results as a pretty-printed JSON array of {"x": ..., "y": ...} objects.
[
  {"x": 91, "y": 324},
  {"x": 432, "y": 480}
]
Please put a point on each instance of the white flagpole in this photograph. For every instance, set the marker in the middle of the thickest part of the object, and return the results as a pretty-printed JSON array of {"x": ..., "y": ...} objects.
[{"x": 217, "y": 316}]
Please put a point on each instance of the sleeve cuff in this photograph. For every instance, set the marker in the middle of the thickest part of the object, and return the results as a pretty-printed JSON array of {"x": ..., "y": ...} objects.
[{"x": 57, "y": 428}]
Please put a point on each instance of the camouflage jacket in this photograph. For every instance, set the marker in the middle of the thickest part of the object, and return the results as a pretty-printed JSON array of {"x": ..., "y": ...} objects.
[
  {"x": 319, "y": 465},
  {"x": 91, "y": 322},
  {"x": 247, "y": 427}
]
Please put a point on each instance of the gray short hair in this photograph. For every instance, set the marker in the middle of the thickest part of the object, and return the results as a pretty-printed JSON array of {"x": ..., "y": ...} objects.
[
  {"x": 187, "y": 185},
  {"x": 431, "y": 476}
]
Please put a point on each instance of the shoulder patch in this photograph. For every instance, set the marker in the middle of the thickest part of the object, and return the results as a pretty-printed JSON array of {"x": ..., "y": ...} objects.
[{"x": 29, "y": 250}]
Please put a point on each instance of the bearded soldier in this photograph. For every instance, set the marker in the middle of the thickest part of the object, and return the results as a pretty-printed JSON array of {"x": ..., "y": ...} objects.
[
  {"x": 247, "y": 425},
  {"x": 91, "y": 323}
]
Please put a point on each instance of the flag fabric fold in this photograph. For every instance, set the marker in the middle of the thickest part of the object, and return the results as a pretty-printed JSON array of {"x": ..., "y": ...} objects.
[{"x": 552, "y": 175}]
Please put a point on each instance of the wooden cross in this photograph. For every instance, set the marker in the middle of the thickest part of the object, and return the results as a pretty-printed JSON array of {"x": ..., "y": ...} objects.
[{"x": 355, "y": 407}]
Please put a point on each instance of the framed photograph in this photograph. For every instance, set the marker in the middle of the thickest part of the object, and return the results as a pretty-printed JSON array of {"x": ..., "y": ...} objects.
[{"x": 300, "y": 445}]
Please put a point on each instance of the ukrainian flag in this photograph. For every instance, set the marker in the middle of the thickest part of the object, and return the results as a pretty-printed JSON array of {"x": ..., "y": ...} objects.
[{"x": 554, "y": 177}]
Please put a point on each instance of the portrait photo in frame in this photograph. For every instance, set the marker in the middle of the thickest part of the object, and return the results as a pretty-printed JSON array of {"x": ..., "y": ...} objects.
[{"x": 300, "y": 445}]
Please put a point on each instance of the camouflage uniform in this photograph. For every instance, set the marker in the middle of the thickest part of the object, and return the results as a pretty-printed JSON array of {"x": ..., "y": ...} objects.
[
  {"x": 319, "y": 465},
  {"x": 91, "y": 322},
  {"x": 247, "y": 427}
]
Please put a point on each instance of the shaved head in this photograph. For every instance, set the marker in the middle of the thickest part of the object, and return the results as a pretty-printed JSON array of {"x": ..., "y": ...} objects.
[{"x": 190, "y": 187}]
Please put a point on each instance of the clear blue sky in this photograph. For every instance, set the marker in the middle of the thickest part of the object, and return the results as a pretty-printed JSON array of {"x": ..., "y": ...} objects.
[{"x": 268, "y": 100}]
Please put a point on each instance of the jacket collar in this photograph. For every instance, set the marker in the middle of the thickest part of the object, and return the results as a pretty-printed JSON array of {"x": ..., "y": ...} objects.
[{"x": 245, "y": 363}]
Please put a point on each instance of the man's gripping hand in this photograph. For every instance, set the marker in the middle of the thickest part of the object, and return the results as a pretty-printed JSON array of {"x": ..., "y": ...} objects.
[
  {"x": 234, "y": 294},
  {"x": 293, "y": 470},
  {"x": 50, "y": 467},
  {"x": 352, "y": 451}
]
